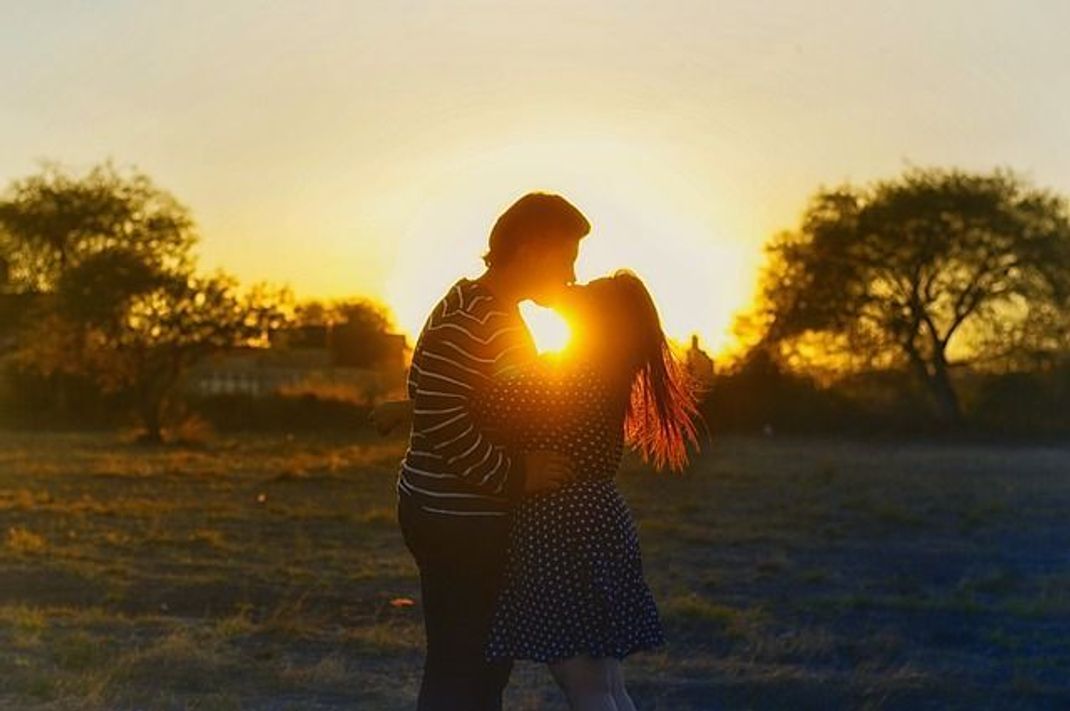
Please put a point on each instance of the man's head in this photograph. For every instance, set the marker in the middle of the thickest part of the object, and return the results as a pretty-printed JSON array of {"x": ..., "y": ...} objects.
[{"x": 534, "y": 244}]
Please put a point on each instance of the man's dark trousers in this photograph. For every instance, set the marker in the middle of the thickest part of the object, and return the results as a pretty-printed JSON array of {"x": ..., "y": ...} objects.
[{"x": 461, "y": 559}]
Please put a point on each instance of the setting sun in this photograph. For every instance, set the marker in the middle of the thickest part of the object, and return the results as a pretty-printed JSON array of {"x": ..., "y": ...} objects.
[
  {"x": 549, "y": 329},
  {"x": 643, "y": 217}
]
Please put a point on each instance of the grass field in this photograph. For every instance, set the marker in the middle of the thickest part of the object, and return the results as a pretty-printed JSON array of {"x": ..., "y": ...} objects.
[{"x": 259, "y": 572}]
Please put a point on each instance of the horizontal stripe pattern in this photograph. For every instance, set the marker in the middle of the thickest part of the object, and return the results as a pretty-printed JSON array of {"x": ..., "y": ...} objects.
[{"x": 453, "y": 466}]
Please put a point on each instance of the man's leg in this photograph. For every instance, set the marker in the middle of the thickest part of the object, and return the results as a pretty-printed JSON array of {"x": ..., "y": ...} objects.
[
  {"x": 457, "y": 611},
  {"x": 460, "y": 565}
]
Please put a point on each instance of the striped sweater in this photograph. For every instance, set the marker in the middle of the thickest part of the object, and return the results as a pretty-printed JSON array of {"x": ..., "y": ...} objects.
[{"x": 454, "y": 466}]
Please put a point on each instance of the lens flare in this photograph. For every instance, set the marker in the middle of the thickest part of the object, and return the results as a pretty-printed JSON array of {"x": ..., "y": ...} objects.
[{"x": 550, "y": 330}]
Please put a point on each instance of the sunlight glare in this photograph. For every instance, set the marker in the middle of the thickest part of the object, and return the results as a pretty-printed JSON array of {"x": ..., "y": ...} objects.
[
  {"x": 645, "y": 214},
  {"x": 549, "y": 329}
]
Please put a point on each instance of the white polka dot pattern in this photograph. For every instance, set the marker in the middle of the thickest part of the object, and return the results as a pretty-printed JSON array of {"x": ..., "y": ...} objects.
[{"x": 574, "y": 577}]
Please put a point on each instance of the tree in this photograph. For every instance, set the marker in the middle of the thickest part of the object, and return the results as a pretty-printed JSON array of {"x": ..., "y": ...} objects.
[
  {"x": 937, "y": 269},
  {"x": 141, "y": 347},
  {"x": 109, "y": 256},
  {"x": 358, "y": 330},
  {"x": 361, "y": 339},
  {"x": 53, "y": 220},
  {"x": 170, "y": 328}
]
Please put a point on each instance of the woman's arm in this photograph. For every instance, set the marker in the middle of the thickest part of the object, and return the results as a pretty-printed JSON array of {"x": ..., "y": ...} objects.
[{"x": 544, "y": 470}]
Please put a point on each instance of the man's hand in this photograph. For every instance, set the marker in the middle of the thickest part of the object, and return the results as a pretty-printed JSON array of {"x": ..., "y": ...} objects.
[
  {"x": 388, "y": 416},
  {"x": 545, "y": 470}
]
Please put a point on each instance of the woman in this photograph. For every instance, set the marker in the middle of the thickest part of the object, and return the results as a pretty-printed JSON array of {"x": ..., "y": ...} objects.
[{"x": 574, "y": 595}]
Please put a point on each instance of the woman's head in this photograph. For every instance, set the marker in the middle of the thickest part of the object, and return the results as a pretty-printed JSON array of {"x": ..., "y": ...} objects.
[{"x": 618, "y": 329}]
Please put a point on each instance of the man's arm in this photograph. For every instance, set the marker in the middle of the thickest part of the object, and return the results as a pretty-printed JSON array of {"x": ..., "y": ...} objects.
[
  {"x": 543, "y": 470},
  {"x": 457, "y": 355}
]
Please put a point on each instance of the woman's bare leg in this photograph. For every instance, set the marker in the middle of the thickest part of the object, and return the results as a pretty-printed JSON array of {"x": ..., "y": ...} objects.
[
  {"x": 616, "y": 681},
  {"x": 587, "y": 683}
]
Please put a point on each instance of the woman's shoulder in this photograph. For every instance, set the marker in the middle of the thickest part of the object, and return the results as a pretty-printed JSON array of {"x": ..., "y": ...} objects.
[
  {"x": 546, "y": 371},
  {"x": 582, "y": 380},
  {"x": 559, "y": 372}
]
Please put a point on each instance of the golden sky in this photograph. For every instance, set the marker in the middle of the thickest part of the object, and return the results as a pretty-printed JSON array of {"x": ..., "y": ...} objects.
[{"x": 366, "y": 148}]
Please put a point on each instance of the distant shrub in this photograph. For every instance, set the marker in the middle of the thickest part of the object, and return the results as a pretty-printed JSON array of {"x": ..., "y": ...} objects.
[
  {"x": 1021, "y": 404},
  {"x": 235, "y": 412},
  {"x": 760, "y": 397},
  {"x": 29, "y": 400}
]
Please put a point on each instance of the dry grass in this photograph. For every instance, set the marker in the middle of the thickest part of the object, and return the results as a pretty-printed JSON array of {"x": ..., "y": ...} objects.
[
  {"x": 258, "y": 572},
  {"x": 25, "y": 542}
]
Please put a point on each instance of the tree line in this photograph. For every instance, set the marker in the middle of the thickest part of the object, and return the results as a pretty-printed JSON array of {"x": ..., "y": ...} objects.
[
  {"x": 933, "y": 299},
  {"x": 102, "y": 301},
  {"x": 947, "y": 290}
]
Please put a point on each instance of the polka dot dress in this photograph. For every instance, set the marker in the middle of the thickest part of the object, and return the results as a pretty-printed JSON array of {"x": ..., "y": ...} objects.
[{"x": 574, "y": 576}]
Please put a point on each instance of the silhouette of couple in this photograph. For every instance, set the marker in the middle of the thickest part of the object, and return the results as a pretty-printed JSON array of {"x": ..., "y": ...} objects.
[{"x": 506, "y": 495}]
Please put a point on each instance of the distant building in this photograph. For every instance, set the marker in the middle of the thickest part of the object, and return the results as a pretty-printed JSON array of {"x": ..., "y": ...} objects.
[
  {"x": 302, "y": 360},
  {"x": 699, "y": 366}
]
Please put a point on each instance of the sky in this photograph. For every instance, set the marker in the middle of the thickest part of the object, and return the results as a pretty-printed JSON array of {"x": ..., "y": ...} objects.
[{"x": 353, "y": 148}]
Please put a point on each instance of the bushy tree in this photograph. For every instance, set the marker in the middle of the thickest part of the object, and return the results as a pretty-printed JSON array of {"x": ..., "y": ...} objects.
[
  {"x": 120, "y": 304},
  {"x": 932, "y": 270},
  {"x": 53, "y": 220},
  {"x": 358, "y": 329}
]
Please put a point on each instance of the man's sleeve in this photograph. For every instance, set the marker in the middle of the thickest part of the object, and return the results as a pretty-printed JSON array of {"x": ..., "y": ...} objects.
[{"x": 458, "y": 354}]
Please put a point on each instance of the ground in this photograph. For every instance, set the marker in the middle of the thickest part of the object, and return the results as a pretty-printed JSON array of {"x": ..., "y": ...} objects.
[{"x": 267, "y": 572}]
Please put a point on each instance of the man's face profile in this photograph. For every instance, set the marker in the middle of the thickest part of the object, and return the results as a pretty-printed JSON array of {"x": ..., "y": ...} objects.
[{"x": 552, "y": 269}]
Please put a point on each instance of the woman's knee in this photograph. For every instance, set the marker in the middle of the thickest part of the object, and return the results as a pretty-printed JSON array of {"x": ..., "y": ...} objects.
[{"x": 583, "y": 675}]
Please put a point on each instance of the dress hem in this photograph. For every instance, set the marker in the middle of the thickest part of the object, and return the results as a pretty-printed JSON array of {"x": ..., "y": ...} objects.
[{"x": 580, "y": 651}]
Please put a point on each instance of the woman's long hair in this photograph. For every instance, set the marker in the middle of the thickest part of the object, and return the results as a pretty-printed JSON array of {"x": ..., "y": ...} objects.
[{"x": 661, "y": 407}]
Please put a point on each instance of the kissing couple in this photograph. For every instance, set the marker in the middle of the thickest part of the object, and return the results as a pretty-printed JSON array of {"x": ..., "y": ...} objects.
[{"x": 506, "y": 494}]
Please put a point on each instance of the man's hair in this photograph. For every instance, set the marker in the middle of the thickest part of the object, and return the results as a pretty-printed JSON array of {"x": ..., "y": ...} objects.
[{"x": 536, "y": 218}]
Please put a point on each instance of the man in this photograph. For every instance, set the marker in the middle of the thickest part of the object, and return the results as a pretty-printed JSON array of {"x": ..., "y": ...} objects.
[{"x": 457, "y": 484}]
